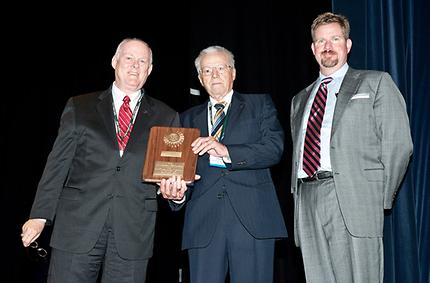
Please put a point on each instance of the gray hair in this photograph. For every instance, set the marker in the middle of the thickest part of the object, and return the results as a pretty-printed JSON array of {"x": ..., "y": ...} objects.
[{"x": 214, "y": 49}]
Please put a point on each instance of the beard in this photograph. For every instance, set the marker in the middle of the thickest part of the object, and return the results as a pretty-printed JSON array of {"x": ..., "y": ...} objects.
[{"x": 329, "y": 59}]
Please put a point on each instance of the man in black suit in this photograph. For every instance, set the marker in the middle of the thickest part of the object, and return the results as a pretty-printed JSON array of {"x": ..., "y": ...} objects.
[
  {"x": 91, "y": 186},
  {"x": 232, "y": 215}
]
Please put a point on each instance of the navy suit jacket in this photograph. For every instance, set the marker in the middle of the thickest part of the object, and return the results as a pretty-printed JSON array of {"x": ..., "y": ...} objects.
[
  {"x": 85, "y": 178},
  {"x": 254, "y": 139}
]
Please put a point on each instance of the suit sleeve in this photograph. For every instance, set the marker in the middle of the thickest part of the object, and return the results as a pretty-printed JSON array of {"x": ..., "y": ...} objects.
[
  {"x": 268, "y": 150},
  {"x": 396, "y": 141},
  {"x": 56, "y": 168},
  {"x": 175, "y": 121}
]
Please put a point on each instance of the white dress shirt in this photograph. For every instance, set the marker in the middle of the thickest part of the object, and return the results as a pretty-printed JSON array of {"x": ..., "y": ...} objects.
[
  {"x": 333, "y": 88},
  {"x": 118, "y": 96}
]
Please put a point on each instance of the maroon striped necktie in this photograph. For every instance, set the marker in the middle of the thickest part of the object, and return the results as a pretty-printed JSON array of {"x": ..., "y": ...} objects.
[
  {"x": 312, "y": 145},
  {"x": 125, "y": 123}
]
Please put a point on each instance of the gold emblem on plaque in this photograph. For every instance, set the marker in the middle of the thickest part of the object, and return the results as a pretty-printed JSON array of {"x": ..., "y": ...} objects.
[{"x": 174, "y": 139}]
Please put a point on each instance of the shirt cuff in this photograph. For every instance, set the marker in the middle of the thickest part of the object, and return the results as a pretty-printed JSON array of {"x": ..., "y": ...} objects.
[
  {"x": 226, "y": 159},
  {"x": 180, "y": 201}
]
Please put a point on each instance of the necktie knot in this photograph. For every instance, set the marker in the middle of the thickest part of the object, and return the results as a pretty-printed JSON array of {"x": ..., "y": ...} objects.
[
  {"x": 219, "y": 106},
  {"x": 126, "y": 99},
  {"x": 326, "y": 81}
]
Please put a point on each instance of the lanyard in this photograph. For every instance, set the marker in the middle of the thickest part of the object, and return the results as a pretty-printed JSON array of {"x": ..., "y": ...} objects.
[{"x": 130, "y": 124}]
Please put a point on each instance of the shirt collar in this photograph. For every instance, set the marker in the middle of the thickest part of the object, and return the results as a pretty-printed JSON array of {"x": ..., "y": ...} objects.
[
  {"x": 118, "y": 95},
  {"x": 226, "y": 99},
  {"x": 338, "y": 74}
]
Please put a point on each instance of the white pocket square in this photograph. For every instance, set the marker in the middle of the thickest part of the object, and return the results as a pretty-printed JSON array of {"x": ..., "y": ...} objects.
[{"x": 360, "y": 95}]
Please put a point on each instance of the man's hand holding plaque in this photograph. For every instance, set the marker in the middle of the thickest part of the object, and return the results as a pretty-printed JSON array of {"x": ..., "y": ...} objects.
[
  {"x": 174, "y": 188},
  {"x": 169, "y": 153}
]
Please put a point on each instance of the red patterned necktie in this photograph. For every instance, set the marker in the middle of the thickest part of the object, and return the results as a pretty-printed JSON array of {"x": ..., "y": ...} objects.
[
  {"x": 218, "y": 121},
  {"x": 312, "y": 145},
  {"x": 125, "y": 123}
]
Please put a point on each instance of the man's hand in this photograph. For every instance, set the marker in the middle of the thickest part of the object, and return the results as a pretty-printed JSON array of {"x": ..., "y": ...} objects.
[
  {"x": 173, "y": 188},
  {"x": 209, "y": 145},
  {"x": 31, "y": 230}
]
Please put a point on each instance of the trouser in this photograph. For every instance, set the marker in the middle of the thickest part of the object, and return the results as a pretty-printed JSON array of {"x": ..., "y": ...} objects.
[
  {"x": 68, "y": 267},
  {"x": 330, "y": 253},
  {"x": 232, "y": 249}
]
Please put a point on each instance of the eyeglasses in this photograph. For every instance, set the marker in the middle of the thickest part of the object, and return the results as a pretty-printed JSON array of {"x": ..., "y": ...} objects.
[
  {"x": 221, "y": 69},
  {"x": 36, "y": 252},
  {"x": 334, "y": 40}
]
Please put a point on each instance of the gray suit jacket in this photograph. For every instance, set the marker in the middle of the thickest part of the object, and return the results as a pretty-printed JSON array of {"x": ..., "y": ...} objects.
[
  {"x": 85, "y": 178},
  {"x": 370, "y": 147}
]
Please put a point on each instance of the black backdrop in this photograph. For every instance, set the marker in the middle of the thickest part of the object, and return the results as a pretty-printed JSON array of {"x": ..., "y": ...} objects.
[{"x": 52, "y": 56}]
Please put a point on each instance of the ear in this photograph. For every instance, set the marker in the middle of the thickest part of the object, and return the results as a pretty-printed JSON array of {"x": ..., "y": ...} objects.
[
  {"x": 233, "y": 74},
  {"x": 150, "y": 69},
  {"x": 114, "y": 61},
  {"x": 313, "y": 48},
  {"x": 348, "y": 44},
  {"x": 200, "y": 80}
]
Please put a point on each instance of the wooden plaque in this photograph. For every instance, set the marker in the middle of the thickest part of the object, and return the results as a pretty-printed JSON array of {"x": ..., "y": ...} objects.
[{"x": 169, "y": 154}]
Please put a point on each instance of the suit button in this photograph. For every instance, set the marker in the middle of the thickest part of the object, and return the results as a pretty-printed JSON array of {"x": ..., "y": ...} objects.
[
  {"x": 118, "y": 168},
  {"x": 220, "y": 195}
]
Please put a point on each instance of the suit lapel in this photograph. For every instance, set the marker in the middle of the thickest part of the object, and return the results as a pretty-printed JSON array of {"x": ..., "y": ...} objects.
[
  {"x": 201, "y": 120},
  {"x": 233, "y": 114},
  {"x": 348, "y": 88},
  {"x": 299, "y": 110},
  {"x": 105, "y": 109}
]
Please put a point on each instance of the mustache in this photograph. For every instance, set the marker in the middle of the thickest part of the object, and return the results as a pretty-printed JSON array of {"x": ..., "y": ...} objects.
[{"x": 328, "y": 52}]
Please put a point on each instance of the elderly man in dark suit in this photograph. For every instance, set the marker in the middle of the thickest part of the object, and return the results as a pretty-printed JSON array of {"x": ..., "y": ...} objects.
[
  {"x": 232, "y": 216},
  {"x": 352, "y": 146},
  {"x": 91, "y": 188}
]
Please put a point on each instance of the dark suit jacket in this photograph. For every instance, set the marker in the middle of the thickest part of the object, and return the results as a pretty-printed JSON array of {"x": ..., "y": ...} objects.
[
  {"x": 254, "y": 139},
  {"x": 370, "y": 147},
  {"x": 85, "y": 177}
]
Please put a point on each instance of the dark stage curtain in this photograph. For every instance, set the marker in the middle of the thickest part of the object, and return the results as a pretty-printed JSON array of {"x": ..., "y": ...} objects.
[{"x": 393, "y": 36}]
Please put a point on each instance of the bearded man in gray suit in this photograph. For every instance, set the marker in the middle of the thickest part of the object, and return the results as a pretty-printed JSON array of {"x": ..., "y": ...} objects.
[{"x": 350, "y": 153}]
